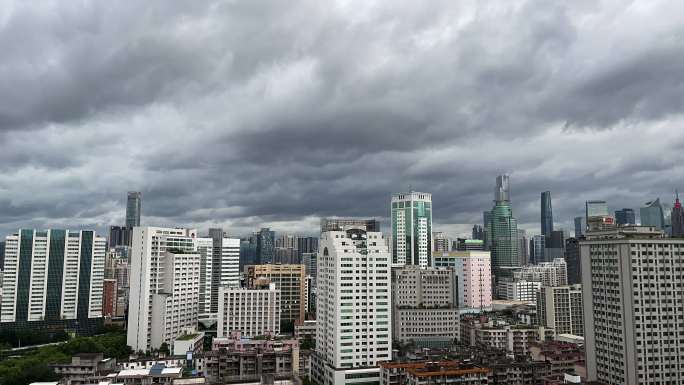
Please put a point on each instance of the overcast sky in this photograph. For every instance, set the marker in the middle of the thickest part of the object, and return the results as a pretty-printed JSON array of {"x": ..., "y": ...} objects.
[{"x": 244, "y": 114}]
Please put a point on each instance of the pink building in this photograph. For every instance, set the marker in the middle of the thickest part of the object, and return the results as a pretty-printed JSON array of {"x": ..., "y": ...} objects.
[{"x": 474, "y": 272}]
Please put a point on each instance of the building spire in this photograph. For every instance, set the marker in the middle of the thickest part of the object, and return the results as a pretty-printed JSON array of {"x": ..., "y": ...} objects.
[{"x": 677, "y": 204}]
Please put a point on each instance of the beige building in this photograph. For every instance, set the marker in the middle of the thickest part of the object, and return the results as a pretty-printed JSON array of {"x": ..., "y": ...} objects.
[
  {"x": 633, "y": 305},
  {"x": 560, "y": 308},
  {"x": 291, "y": 281},
  {"x": 424, "y": 305},
  {"x": 253, "y": 312}
]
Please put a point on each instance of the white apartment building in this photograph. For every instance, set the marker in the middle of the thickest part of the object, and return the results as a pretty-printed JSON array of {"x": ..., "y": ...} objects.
[
  {"x": 253, "y": 312},
  {"x": 411, "y": 229},
  {"x": 52, "y": 275},
  {"x": 149, "y": 246},
  {"x": 560, "y": 308},
  {"x": 554, "y": 273},
  {"x": 632, "y": 280},
  {"x": 353, "y": 307},
  {"x": 176, "y": 304},
  {"x": 518, "y": 289},
  {"x": 219, "y": 266}
]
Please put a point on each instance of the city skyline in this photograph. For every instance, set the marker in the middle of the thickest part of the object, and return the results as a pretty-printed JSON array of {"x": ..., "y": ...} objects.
[{"x": 279, "y": 128}]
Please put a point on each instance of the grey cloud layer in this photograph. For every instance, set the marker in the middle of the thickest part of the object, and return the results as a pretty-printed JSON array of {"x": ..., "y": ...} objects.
[{"x": 248, "y": 113}]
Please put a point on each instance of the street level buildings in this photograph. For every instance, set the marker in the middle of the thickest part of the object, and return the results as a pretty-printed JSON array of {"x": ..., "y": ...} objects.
[
  {"x": 424, "y": 305},
  {"x": 354, "y": 318},
  {"x": 411, "y": 228},
  {"x": 53, "y": 278},
  {"x": 632, "y": 281}
]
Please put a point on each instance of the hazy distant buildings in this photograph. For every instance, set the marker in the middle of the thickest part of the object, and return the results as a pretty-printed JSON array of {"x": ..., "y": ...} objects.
[
  {"x": 478, "y": 232},
  {"x": 677, "y": 218},
  {"x": 597, "y": 216},
  {"x": 133, "y": 209},
  {"x": 441, "y": 242},
  {"x": 538, "y": 249},
  {"x": 625, "y": 217},
  {"x": 53, "y": 278},
  {"x": 306, "y": 245},
  {"x": 503, "y": 230},
  {"x": 411, "y": 228},
  {"x": 554, "y": 246},
  {"x": 462, "y": 244},
  {"x": 523, "y": 247},
  {"x": 486, "y": 236},
  {"x": 580, "y": 226},
  {"x": 652, "y": 214},
  {"x": 552, "y": 273},
  {"x": 265, "y": 246},
  {"x": 349, "y": 343},
  {"x": 248, "y": 251},
  {"x": 631, "y": 279},
  {"x": 546, "y": 213}
]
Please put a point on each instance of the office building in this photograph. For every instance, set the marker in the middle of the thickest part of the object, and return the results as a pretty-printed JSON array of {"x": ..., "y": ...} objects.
[
  {"x": 652, "y": 214},
  {"x": 503, "y": 229},
  {"x": 595, "y": 208},
  {"x": 523, "y": 247},
  {"x": 175, "y": 305},
  {"x": 265, "y": 246},
  {"x": 677, "y": 218},
  {"x": 554, "y": 273},
  {"x": 517, "y": 289},
  {"x": 486, "y": 236},
  {"x": 425, "y": 305},
  {"x": 120, "y": 236},
  {"x": 580, "y": 226},
  {"x": 538, "y": 249},
  {"x": 473, "y": 276},
  {"x": 411, "y": 228},
  {"x": 133, "y": 209},
  {"x": 109, "y": 298},
  {"x": 572, "y": 261},
  {"x": 462, "y": 244},
  {"x": 53, "y": 279},
  {"x": 290, "y": 280},
  {"x": 554, "y": 246},
  {"x": 625, "y": 217},
  {"x": 252, "y": 311},
  {"x": 342, "y": 224},
  {"x": 148, "y": 260},
  {"x": 478, "y": 232},
  {"x": 306, "y": 245},
  {"x": 631, "y": 280},
  {"x": 353, "y": 313},
  {"x": 248, "y": 251},
  {"x": 560, "y": 308},
  {"x": 441, "y": 242},
  {"x": 546, "y": 213}
]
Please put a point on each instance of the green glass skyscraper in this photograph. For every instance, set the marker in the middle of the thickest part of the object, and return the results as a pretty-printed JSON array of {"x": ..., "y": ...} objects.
[
  {"x": 503, "y": 230},
  {"x": 412, "y": 229}
]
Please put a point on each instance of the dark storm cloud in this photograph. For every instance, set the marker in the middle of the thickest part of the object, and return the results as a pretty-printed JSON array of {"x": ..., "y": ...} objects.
[{"x": 255, "y": 113}]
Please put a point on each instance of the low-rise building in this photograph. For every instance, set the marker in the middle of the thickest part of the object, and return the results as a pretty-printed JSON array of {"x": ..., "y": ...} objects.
[
  {"x": 305, "y": 329},
  {"x": 563, "y": 357},
  {"x": 83, "y": 367},
  {"x": 501, "y": 334},
  {"x": 517, "y": 289},
  {"x": 432, "y": 372},
  {"x": 236, "y": 358},
  {"x": 192, "y": 342}
]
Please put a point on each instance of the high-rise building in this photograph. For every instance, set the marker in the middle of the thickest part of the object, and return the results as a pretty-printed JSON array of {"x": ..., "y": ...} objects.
[
  {"x": 310, "y": 261},
  {"x": 560, "y": 308},
  {"x": 554, "y": 273},
  {"x": 677, "y": 218},
  {"x": 503, "y": 229},
  {"x": 473, "y": 276},
  {"x": 248, "y": 251},
  {"x": 546, "y": 213},
  {"x": 572, "y": 260},
  {"x": 225, "y": 261},
  {"x": 631, "y": 280},
  {"x": 478, "y": 232},
  {"x": 53, "y": 277},
  {"x": 441, "y": 242},
  {"x": 554, "y": 245},
  {"x": 109, "y": 298},
  {"x": 411, "y": 228},
  {"x": 596, "y": 209},
  {"x": 342, "y": 224},
  {"x": 580, "y": 226},
  {"x": 306, "y": 245},
  {"x": 625, "y": 217},
  {"x": 538, "y": 251},
  {"x": 120, "y": 236},
  {"x": 425, "y": 308},
  {"x": 486, "y": 224},
  {"x": 2, "y": 255},
  {"x": 133, "y": 208},
  {"x": 353, "y": 316},
  {"x": 523, "y": 247},
  {"x": 265, "y": 246},
  {"x": 147, "y": 280},
  {"x": 652, "y": 214},
  {"x": 251, "y": 311},
  {"x": 290, "y": 280}
]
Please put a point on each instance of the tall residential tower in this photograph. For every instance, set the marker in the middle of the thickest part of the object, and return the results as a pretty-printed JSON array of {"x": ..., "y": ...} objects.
[{"x": 412, "y": 228}]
